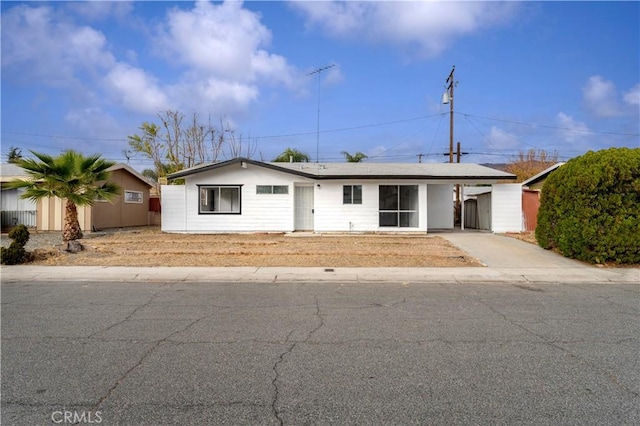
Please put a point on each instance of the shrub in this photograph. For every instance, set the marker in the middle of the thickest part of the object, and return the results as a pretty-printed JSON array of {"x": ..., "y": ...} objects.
[
  {"x": 15, "y": 253},
  {"x": 590, "y": 207}
]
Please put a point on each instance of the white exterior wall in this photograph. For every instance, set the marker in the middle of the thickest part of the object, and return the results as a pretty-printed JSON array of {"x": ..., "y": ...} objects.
[
  {"x": 331, "y": 215},
  {"x": 275, "y": 212},
  {"x": 174, "y": 202},
  {"x": 440, "y": 206},
  {"x": 259, "y": 212},
  {"x": 506, "y": 207},
  {"x": 10, "y": 200}
]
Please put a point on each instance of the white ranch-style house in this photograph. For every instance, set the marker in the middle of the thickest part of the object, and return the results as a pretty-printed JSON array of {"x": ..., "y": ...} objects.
[{"x": 244, "y": 195}]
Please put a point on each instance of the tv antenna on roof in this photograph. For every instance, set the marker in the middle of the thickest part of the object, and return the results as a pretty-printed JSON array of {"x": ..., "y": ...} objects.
[{"x": 319, "y": 71}]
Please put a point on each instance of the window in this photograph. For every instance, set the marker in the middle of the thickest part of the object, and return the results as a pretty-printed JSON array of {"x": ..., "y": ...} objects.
[
  {"x": 352, "y": 194},
  {"x": 398, "y": 205},
  {"x": 272, "y": 189},
  {"x": 219, "y": 199},
  {"x": 133, "y": 197}
]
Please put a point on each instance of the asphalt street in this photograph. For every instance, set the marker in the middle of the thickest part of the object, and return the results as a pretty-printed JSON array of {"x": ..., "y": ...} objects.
[{"x": 194, "y": 353}]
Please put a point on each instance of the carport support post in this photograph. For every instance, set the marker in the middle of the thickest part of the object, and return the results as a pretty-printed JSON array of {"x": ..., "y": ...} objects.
[{"x": 461, "y": 207}]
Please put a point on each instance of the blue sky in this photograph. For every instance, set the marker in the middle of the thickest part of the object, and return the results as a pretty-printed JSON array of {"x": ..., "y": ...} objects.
[{"x": 560, "y": 76}]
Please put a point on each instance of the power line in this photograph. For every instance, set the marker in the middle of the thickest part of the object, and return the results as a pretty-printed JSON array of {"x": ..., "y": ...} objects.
[
  {"x": 551, "y": 127},
  {"x": 343, "y": 129},
  {"x": 84, "y": 138}
]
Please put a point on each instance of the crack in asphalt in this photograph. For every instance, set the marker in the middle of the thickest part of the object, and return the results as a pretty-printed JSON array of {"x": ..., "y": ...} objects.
[
  {"x": 274, "y": 382},
  {"x": 556, "y": 344},
  {"x": 146, "y": 354},
  {"x": 128, "y": 317}
]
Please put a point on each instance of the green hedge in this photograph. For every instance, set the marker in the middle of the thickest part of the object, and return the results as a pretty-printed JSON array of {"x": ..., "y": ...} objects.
[{"x": 590, "y": 207}]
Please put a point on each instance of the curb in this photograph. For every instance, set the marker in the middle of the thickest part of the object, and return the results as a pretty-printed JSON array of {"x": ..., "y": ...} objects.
[{"x": 19, "y": 273}]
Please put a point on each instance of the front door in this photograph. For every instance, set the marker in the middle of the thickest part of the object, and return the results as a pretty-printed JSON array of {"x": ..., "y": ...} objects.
[{"x": 303, "y": 208}]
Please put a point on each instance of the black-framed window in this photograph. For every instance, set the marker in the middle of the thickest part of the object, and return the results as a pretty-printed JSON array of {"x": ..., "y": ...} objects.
[
  {"x": 398, "y": 206},
  {"x": 220, "y": 199},
  {"x": 272, "y": 189},
  {"x": 352, "y": 194}
]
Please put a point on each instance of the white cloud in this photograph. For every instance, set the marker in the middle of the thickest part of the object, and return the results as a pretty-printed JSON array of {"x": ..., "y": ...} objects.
[
  {"x": 600, "y": 97},
  {"x": 100, "y": 10},
  {"x": 603, "y": 100},
  {"x": 572, "y": 130},
  {"x": 429, "y": 26},
  {"x": 225, "y": 42},
  {"x": 38, "y": 44},
  {"x": 136, "y": 90},
  {"x": 92, "y": 121},
  {"x": 223, "y": 48},
  {"x": 214, "y": 96},
  {"x": 500, "y": 139},
  {"x": 632, "y": 96}
]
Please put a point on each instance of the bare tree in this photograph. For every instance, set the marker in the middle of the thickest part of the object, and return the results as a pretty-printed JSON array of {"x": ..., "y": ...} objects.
[
  {"x": 174, "y": 145},
  {"x": 172, "y": 123},
  {"x": 239, "y": 146},
  {"x": 527, "y": 164}
]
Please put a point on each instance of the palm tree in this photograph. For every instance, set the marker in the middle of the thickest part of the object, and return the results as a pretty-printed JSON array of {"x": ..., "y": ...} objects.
[
  {"x": 287, "y": 154},
  {"x": 70, "y": 176},
  {"x": 14, "y": 155},
  {"x": 355, "y": 158}
]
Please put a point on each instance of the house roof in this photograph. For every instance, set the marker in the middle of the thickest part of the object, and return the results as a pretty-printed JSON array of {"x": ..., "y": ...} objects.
[
  {"x": 541, "y": 176},
  {"x": 9, "y": 172},
  {"x": 123, "y": 166},
  {"x": 326, "y": 171}
]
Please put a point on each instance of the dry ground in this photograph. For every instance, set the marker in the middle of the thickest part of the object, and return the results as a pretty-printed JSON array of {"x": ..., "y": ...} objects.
[
  {"x": 527, "y": 236},
  {"x": 150, "y": 247}
]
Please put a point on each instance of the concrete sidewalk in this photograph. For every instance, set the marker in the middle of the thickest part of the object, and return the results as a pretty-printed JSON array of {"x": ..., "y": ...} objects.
[
  {"x": 274, "y": 274},
  {"x": 506, "y": 259}
]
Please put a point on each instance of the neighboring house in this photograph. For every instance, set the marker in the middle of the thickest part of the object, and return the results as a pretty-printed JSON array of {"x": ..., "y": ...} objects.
[
  {"x": 531, "y": 190},
  {"x": 243, "y": 195},
  {"x": 129, "y": 208},
  {"x": 14, "y": 210}
]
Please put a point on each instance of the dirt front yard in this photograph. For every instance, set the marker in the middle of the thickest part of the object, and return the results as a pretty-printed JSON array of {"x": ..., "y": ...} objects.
[{"x": 150, "y": 247}]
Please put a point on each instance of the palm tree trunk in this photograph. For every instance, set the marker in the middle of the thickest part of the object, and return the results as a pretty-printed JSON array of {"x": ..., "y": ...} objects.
[{"x": 71, "y": 230}]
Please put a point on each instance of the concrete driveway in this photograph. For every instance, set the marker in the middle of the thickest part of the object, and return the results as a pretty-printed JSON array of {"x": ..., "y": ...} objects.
[{"x": 499, "y": 251}]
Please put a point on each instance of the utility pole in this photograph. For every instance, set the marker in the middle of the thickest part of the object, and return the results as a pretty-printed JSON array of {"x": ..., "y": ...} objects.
[
  {"x": 319, "y": 71},
  {"x": 447, "y": 98}
]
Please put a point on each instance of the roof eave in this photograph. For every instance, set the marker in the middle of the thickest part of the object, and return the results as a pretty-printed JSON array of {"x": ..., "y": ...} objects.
[
  {"x": 213, "y": 166},
  {"x": 273, "y": 166}
]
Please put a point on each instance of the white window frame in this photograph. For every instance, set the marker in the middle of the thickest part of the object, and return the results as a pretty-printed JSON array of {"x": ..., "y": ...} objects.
[
  {"x": 127, "y": 197},
  {"x": 271, "y": 189},
  {"x": 351, "y": 194}
]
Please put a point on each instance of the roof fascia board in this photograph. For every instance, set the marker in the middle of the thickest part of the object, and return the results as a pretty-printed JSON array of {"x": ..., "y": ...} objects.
[
  {"x": 214, "y": 166},
  {"x": 542, "y": 175},
  {"x": 131, "y": 170},
  {"x": 413, "y": 177}
]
